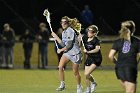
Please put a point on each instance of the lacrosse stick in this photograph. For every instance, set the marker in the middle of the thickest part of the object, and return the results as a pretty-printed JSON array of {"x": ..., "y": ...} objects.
[
  {"x": 47, "y": 15},
  {"x": 78, "y": 29}
]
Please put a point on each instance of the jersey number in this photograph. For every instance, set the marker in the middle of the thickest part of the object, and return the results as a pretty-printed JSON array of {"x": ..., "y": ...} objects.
[{"x": 126, "y": 47}]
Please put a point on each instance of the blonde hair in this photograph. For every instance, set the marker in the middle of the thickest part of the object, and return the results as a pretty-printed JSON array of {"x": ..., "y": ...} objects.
[
  {"x": 73, "y": 22},
  {"x": 127, "y": 26}
]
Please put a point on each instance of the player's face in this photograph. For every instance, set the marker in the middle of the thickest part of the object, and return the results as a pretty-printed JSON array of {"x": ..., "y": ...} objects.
[
  {"x": 64, "y": 23},
  {"x": 90, "y": 33}
]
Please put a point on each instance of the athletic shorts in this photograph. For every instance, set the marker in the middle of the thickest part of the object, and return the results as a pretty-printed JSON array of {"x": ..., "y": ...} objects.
[
  {"x": 77, "y": 59},
  {"x": 90, "y": 60},
  {"x": 126, "y": 74}
]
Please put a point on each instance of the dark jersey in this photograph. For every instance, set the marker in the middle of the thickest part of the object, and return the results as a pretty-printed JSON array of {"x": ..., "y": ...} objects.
[
  {"x": 91, "y": 45},
  {"x": 27, "y": 40},
  {"x": 10, "y": 38},
  {"x": 127, "y": 51},
  {"x": 45, "y": 38}
]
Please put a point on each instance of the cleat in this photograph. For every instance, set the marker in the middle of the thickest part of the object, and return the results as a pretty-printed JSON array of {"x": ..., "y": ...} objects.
[
  {"x": 93, "y": 86},
  {"x": 60, "y": 88},
  {"x": 88, "y": 90},
  {"x": 79, "y": 89}
]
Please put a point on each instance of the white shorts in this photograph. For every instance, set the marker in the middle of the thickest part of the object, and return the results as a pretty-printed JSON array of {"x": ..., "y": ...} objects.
[{"x": 77, "y": 59}]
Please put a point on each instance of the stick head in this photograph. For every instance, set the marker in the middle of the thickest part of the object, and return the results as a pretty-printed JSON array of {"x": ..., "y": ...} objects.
[
  {"x": 78, "y": 27},
  {"x": 47, "y": 15}
]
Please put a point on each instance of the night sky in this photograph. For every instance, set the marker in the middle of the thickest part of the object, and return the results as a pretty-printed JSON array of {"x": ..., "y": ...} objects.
[{"x": 108, "y": 14}]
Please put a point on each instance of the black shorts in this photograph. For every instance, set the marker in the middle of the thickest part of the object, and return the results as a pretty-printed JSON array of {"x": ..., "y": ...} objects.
[
  {"x": 96, "y": 61},
  {"x": 126, "y": 74}
]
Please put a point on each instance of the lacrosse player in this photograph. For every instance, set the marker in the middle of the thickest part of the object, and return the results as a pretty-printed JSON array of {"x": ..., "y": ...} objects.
[
  {"x": 71, "y": 51},
  {"x": 94, "y": 56},
  {"x": 127, "y": 47}
]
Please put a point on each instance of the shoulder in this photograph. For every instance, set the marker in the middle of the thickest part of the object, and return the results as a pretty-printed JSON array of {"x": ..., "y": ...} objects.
[
  {"x": 69, "y": 29},
  {"x": 117, "y": 41}
]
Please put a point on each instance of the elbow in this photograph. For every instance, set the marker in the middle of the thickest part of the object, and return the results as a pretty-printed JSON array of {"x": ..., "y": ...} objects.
[{"x": 110, "y": 57}]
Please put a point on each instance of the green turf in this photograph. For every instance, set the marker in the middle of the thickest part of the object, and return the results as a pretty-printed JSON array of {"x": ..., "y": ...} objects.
[
  {"x": 46, "y": 81},
  {"x": 19, "y": 57}
]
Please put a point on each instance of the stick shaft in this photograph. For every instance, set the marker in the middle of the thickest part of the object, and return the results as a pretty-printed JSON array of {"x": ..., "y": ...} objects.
[
  {"x": 50, "y": 26},
  {"x": 82, "y": 41},
  {"x": 56, "y": 44},
  {"x": 52, "y": 31}
]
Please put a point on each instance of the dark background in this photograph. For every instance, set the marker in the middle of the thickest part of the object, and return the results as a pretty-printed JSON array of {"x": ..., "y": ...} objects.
[{"x": 108, "y": 14}]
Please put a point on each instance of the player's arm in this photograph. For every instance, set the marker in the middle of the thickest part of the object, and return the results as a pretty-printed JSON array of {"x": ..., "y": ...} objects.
[
  {"x": 112, "y": 55},
  {"x": 97, "y": 48},
  {"x": 56, "y": 38}
]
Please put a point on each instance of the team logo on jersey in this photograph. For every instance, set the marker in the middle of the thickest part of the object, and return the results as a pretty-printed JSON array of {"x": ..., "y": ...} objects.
[
  {"x": 126, "y": 47},
  {"x": 89, "y": 46}
]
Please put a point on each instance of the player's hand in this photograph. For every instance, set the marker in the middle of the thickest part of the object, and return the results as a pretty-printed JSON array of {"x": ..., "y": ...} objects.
[
  {"x": 85, "y": 51},
  {"x": 53, "y": 34},
  {"x": 39, "y": 37},
  {"x": 59, "y": 51}
]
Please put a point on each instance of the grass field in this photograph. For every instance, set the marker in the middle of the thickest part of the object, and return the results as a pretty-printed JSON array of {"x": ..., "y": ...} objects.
[
  {"x": 52, "y": 58},
  {"x": 46, "y": 81}
]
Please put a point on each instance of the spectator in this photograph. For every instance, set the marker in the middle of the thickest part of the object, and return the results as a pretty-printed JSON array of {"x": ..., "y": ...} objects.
[
  {"x": 27, "y": 39},
  {"x": 1, "y": 51},
  {"x": 43, "y": 37},
  {"x": 86, "y": 16},
  {"x": 9, "y": 38}
]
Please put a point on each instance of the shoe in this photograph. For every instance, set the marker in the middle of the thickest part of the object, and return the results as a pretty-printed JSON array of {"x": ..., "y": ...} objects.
[
  {"x": 10, "y": 66},
  {"x": 79, "y": 89},
  {"x": 60, "y": 88},
  {"x": 88, "y": 90},
  {"x": 93, "y": 86}
]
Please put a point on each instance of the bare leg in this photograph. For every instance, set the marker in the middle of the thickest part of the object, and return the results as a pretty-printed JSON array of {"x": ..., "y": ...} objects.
[
  {"x": 122, "y": 83},
  {"x": 89, "y": 78},
  {"x": 130, "y": 87},
  {"x": 62, "y": 63},
  {"x": 75, "y": 68},
  {"x": 88, "y": 71}
]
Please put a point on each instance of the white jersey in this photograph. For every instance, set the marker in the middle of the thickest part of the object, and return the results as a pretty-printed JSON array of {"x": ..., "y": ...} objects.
[{"x": 70, "y": 35}]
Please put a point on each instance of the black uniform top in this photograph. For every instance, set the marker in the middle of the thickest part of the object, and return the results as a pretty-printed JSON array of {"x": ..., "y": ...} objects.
[
  {"x": 45, "y": 38},
  {"x": 127, "y": 51},
  {"x": 27, "y": 40},
  {"x": 10, "y": 38},
  {"x": 91, "y": 45}
]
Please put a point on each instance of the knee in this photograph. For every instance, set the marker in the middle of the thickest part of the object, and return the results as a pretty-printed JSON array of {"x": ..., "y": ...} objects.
[
  {"x": 87, "y": 75},
  {"x": 76, "y": 73},
  {"x": 61, "y": 67},
  {"x": 130, "y": 90}
]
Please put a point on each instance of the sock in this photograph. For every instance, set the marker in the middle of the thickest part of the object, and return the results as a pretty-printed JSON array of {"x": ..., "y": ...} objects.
[
  {"x": 79, "y": 85},
  {"x": 91, "y": 79},
  {"x": 88, "y": 88},
  {"x": 62, "y": 84}
]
